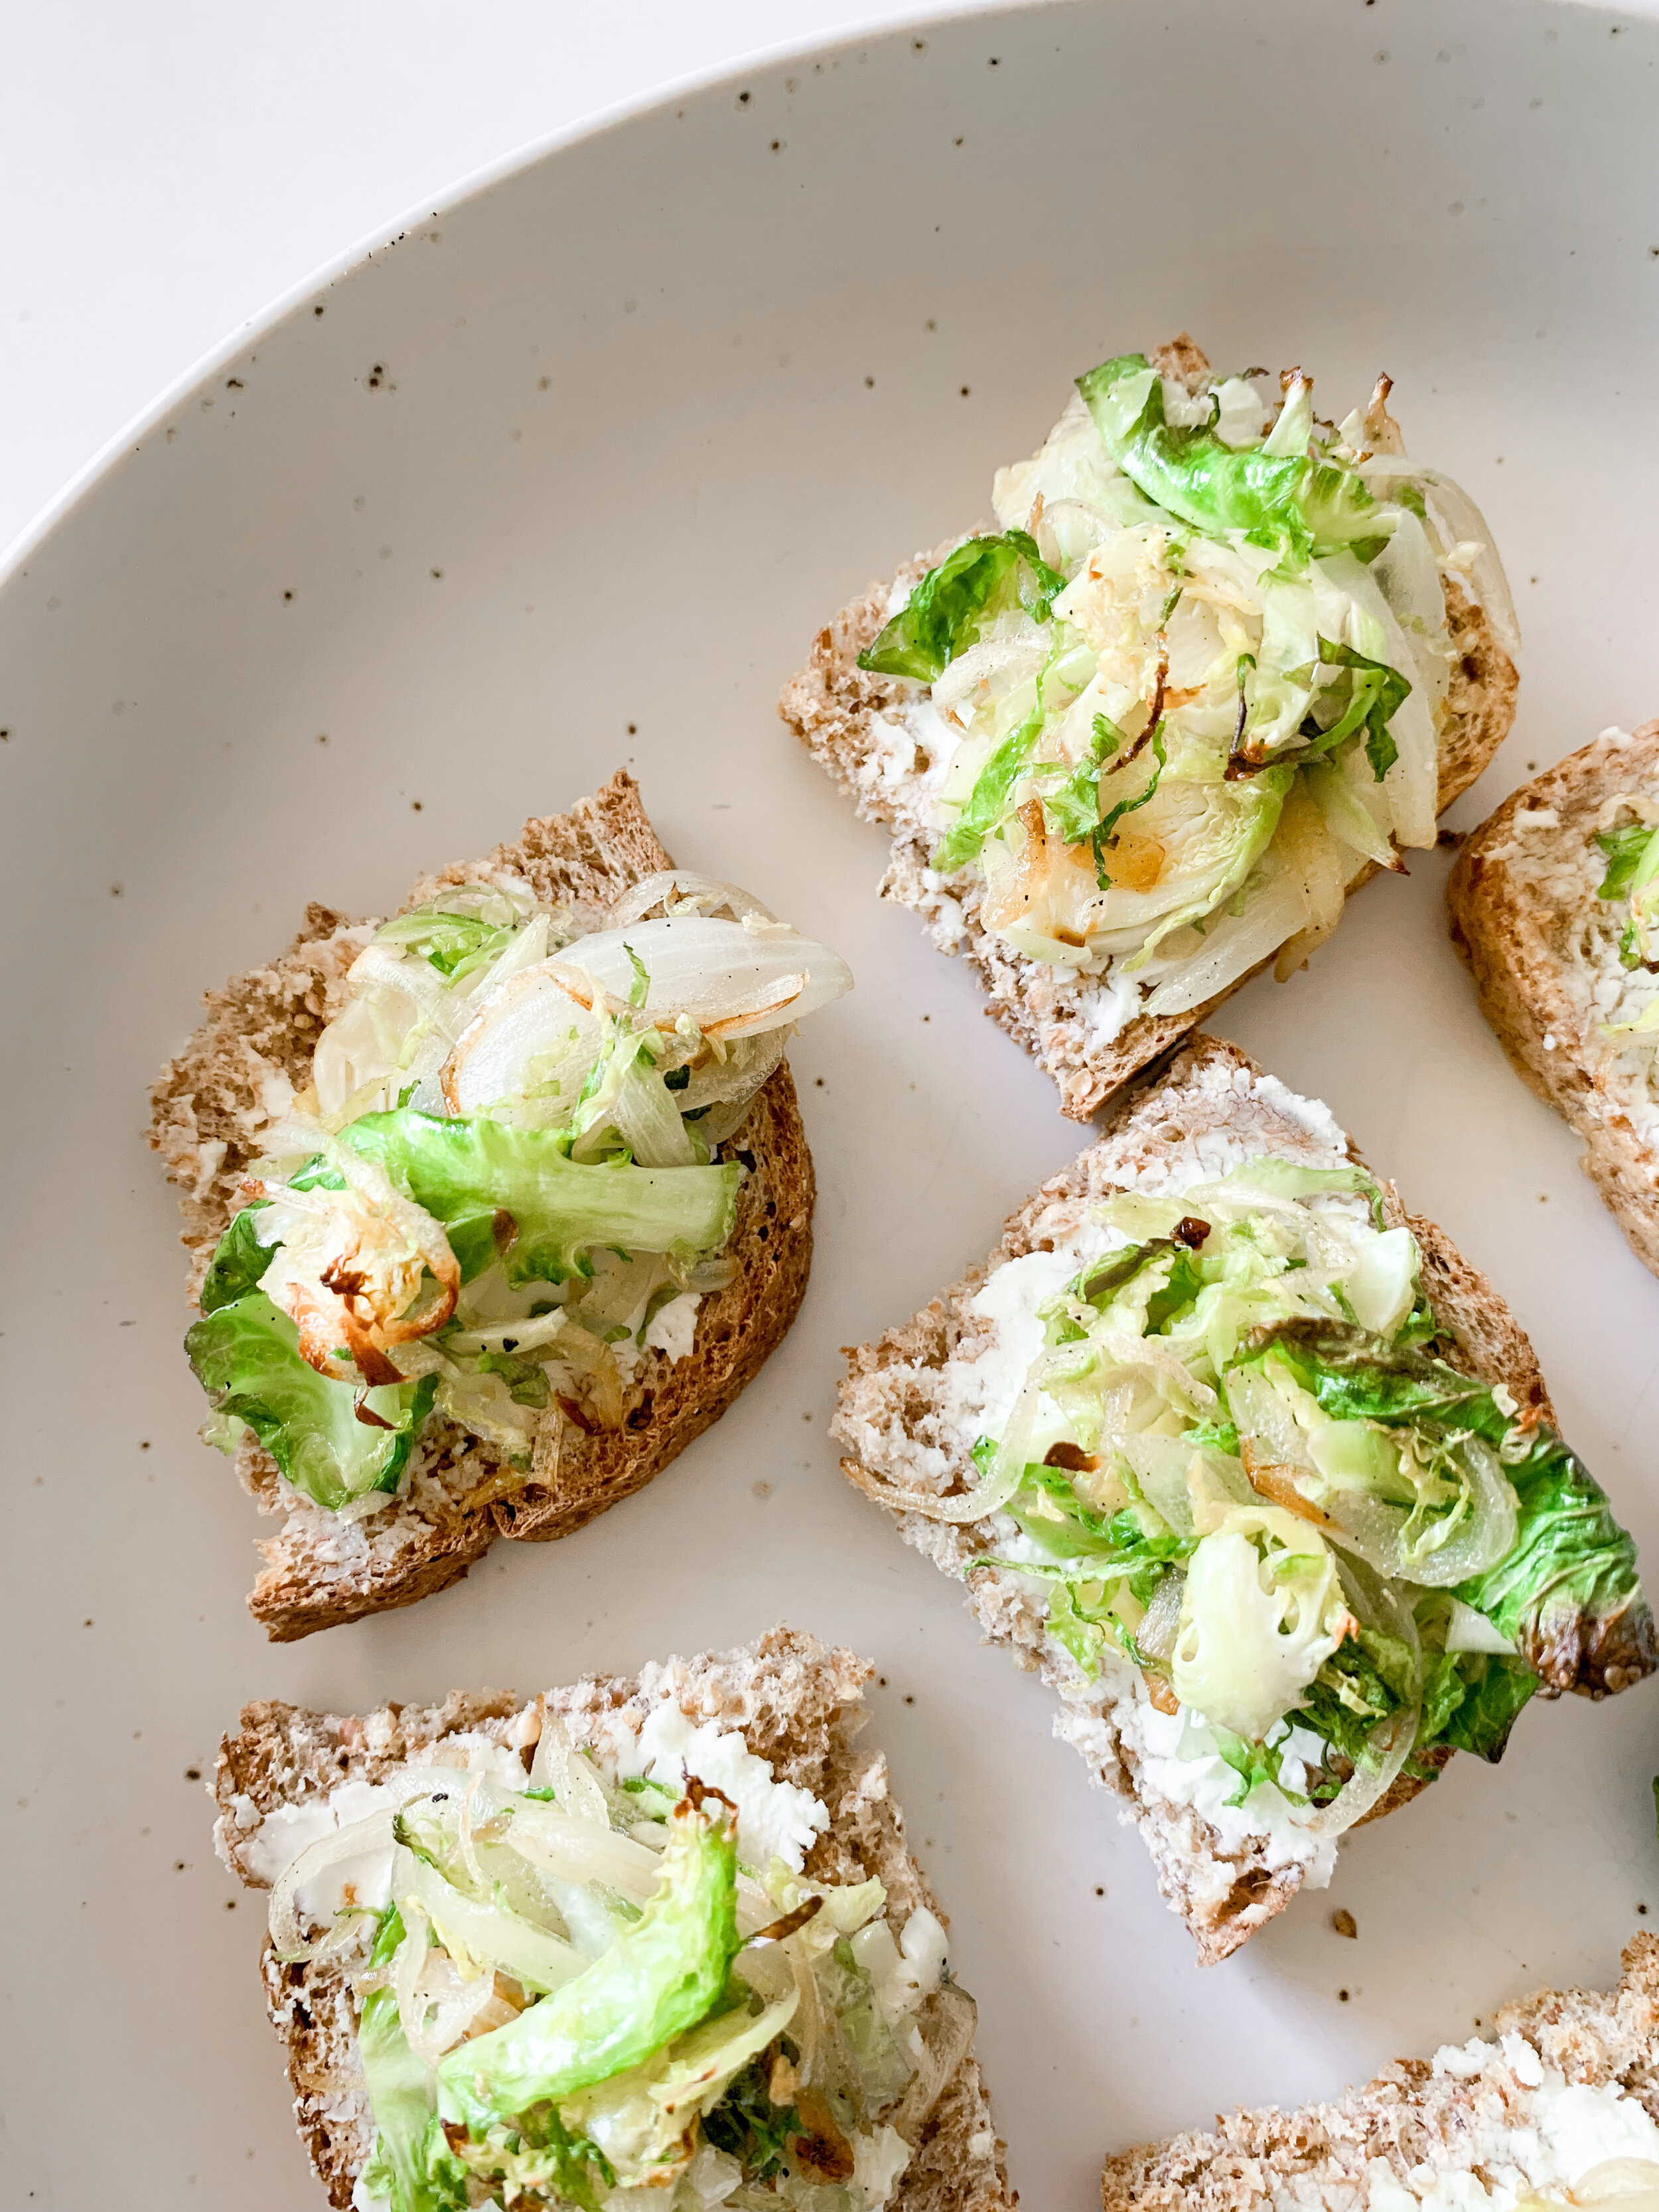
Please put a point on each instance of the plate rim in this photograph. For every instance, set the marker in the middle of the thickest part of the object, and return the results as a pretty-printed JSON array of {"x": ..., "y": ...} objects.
[{"x": 460, "y": 191}]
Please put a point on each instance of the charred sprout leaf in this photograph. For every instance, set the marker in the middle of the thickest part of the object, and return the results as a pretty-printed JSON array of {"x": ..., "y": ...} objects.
[
  {"x": 1099, "y": 1284},
  {"x": 246, "y": 1358},
  {"x": 1566, "y": 1593},
  {"x": 238, "y": 1262},
  {"x": 1097, "y": 1557},
  {"x": 989, "y": 800},
  {"x": 488, "y": 1183},
  {"x": 1292, "y": 504},
  {"x": 1358, "y": 1378},
  {"x": 661, "y": 1976},
  {"x": 949, "y": 607}
]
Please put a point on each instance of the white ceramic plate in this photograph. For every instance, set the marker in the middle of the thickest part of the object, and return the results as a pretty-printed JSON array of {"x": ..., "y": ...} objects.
[{"x": 565, "y": 476}]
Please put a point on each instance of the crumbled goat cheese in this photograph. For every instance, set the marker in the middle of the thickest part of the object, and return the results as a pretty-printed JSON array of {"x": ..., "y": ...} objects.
[
  {"x": 878, "y": 2162},
  {"x": 1178, "y": 1761},
  {"x": 1106, "y": 1006},
  {"x": 775, "y": 1820},
  {"x": 1311, "y": 1116},
  {"x": 1527, "y": 2129},
  {"x": 673, "y": 1326},
  {"x": 365, "y": 1879},
  {"x": 980, "y": 1393},
  {"x": 910, "y": 750},
  {"x": 903, "y": 1971}
]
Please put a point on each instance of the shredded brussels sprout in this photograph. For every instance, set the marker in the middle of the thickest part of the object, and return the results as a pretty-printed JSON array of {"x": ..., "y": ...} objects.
[
  {"x": 576, "y": 1987},
  {"x": 1250, "y": 1467},
  {"x": 503, "y": 1188},
  {"x": 1201, "y": 612}
]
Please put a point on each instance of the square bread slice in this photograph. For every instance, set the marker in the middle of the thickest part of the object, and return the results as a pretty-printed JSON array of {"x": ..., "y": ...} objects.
[
  {"x": 1567, "y": 2085},
  {"x": 911, "y": 1401},
  {"x": 1544, "y": 950},
  {"x": 795, "y": 1704},
  {"x": 853, "y": 724},
  {"x": 241, "y": 1070}
]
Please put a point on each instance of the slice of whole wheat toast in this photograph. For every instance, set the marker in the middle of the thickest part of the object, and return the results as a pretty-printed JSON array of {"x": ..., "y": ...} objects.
[
  {"x": 1526, "y": 918},
  {"x": 239, "y": 1071},
  {"x": 1477, "y": 2114},
  {"x": 796, "y": 1703},
  {"x": 835, "y": 707},
  {"x": 1210, "y": 1108}
]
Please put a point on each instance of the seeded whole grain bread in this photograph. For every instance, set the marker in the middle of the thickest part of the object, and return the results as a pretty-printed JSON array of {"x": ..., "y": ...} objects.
[
  {"x": 1210, "y": 1108},
  {"x": 832, "y": 705},
  {"x": 796, "y": 1703},
  {"x": 241, "y": 1070},
  {"x": 1415, "y": 2122},
  {"x": 1524, "y": 916}
]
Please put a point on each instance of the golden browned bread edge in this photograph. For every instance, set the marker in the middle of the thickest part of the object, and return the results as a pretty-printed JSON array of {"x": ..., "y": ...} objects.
[
  {"x": 317, "y": 1574},
  {"x": 798, "y": 1705},
  {"x": 1503, "y": 934},
  {"x": 1407, "y": 2115}
]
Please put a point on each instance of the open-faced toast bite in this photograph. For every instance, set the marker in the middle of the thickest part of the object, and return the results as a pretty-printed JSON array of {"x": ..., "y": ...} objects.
[
  {"x": 492, "y": 1207},
  {"x": 1558, "y": 2106},
  {"x": 1259, "y": 1473},
  {"x": 1555, "y": 906},
  {"x": 1217, "y": 663},
  {"x": 656, "y": 1943}
]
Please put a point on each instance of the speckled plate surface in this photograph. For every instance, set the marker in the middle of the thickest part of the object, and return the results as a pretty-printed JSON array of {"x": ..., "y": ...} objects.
[{"x": 564, "y": 477}]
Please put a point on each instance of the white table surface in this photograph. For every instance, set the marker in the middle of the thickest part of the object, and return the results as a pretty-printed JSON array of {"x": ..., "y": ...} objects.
[{"x": 169, "y": 166}]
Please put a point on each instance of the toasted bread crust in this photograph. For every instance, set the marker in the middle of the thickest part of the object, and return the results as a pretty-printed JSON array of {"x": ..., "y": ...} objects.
[
  {"x": 1513, "y": 923},
  {"x": 891, "y": 1392},
  {"x": 238, "y": 1073},
  {"x": 831, "y": 705},
  {"x": 1415, "y": 2121},
  {"x": 797, "y": 1705}
]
